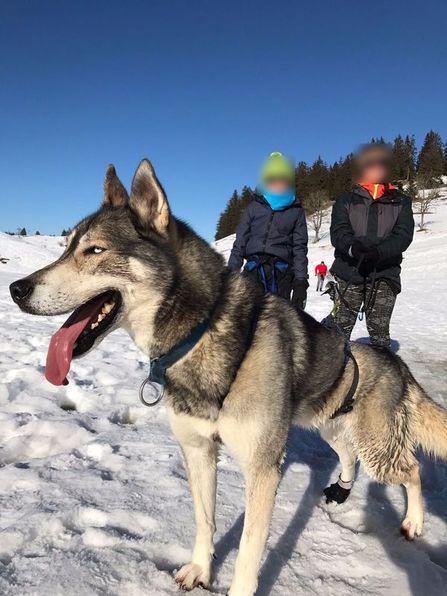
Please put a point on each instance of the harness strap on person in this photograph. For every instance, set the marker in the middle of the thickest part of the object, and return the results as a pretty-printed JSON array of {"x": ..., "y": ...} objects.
[{"x": 255, "y": 262}]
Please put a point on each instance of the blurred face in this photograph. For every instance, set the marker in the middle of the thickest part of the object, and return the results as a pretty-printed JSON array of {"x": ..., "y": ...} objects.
[
  {"x": 277, "y": 186},
  {"x": 375, "y": 173}
]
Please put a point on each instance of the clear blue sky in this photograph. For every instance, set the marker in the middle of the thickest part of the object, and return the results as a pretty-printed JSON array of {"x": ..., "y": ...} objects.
[{"x": 205, "y": 90}]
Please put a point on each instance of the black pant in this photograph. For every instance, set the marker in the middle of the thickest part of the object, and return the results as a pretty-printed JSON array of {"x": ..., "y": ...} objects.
[
  {"x": 283, "y": 279},
  {"x": 379, "y": 307}
]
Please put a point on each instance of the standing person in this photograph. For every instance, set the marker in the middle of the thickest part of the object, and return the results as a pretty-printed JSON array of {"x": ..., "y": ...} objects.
[
  {"x": 371, "y": 226},
  {"x": 320, "y": 272},
  {"x": 272, "y": 234}
]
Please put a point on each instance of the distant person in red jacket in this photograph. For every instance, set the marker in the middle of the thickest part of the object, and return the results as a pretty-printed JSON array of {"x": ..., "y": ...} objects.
[{"x": 320, "y": 272}]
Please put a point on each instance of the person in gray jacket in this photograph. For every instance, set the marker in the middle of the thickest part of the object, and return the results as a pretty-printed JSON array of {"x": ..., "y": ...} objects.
[
  {"x": 371, "y": 227},
  {"x": 272, "y": 234}
]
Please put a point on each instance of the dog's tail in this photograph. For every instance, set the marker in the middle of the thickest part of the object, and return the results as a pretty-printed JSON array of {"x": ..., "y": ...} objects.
[{"x": 431, "y": 426}]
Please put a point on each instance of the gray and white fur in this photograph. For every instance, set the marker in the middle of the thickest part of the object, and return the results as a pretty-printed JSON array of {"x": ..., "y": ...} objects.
[{"x": 169, "y": 280}]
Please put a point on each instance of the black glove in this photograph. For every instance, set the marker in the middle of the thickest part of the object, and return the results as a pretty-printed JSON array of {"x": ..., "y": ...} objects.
[
  {"x": 300, "y": 292},
  {"x": 364, "y": 249},
  {"x": 371, "y": 254}
]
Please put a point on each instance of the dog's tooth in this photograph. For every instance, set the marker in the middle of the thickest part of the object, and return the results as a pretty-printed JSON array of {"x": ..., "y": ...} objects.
[
  {"x": 101, "y": 317},
  {"x": 108, "y": 306},
  {"x": 93, "y": 325}
]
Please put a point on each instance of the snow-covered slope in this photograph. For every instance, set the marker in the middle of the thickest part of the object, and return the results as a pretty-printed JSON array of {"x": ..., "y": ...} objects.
[
  {"x": 94, "y": 498},
  {"x": 27, "y": 253}
]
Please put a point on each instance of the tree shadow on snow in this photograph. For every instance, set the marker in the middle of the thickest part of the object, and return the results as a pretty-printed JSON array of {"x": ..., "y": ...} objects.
[{"x": 303, "y": 447}]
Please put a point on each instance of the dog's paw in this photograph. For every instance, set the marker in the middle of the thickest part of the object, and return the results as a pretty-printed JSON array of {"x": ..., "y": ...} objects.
[
  {"x": 192, "y": 576},
  {"x": 411, "y": 528},
  {"x": 336, "y": 494}
]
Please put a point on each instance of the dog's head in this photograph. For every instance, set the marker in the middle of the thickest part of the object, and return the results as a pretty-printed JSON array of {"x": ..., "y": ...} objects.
[{"x": 106, "y": 275}]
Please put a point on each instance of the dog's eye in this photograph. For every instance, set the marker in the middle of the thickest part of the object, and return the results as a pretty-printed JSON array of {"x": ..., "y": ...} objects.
[{"x": 94, "y": 250}]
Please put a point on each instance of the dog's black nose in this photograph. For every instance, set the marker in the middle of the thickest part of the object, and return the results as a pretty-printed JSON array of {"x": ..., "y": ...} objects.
[{"x": 20, "y": 290}]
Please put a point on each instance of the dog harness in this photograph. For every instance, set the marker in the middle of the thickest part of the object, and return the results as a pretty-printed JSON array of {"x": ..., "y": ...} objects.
[
  {"x": 159, "y": 366},
  {"x": 348, "y": 402}
]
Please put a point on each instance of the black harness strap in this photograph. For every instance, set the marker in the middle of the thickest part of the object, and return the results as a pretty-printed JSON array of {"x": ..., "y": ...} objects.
[
  {"x": 159, "y": 366},
  {"x": 348, "y": 402}
]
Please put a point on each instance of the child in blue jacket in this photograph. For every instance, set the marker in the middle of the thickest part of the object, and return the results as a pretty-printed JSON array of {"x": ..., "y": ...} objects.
[{"x": 272, "y": 234}]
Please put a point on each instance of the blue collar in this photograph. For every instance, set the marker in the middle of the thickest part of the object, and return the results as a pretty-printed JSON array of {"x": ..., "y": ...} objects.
[{"x": 159, "y": 366}]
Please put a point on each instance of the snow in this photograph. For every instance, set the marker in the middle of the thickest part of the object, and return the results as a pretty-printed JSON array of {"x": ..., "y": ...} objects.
[{"x": 94, "y": 497}]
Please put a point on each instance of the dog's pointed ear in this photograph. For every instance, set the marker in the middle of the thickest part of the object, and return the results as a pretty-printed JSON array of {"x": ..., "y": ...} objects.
[
  {"x": 148, "y": 200},
  {"x": 115, "y": 194}
]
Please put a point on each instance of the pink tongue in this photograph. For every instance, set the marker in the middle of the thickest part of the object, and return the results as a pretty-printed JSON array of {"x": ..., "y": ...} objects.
[{"x": 60, "y": 350}]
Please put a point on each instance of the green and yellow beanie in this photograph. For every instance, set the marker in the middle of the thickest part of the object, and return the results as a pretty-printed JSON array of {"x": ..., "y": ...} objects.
[{"x": 278, "y": 166}]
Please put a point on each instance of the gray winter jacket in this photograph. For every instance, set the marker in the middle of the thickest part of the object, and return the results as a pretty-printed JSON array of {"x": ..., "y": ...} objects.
[{"x": 386, "y": 223}]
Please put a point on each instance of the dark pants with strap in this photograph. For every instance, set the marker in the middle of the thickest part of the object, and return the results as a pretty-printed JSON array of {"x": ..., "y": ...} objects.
[
  {"x": 271, "y": 274},
  {"x": 378, "y": 314}
]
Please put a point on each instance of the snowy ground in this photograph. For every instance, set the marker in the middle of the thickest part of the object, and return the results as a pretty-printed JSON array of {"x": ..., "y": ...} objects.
[{"x": 94, "y": 499}]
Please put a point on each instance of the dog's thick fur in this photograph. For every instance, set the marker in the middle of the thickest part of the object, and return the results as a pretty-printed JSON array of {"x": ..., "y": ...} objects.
[{"x": 170, "y": 280}]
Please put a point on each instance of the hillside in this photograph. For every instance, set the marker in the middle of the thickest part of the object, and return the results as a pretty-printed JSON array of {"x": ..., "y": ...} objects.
[{"x": 94, "y": 497}]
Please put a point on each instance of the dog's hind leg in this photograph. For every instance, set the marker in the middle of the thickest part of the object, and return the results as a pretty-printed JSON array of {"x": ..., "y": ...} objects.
[
  {"x": 341, "y": 490},
  {"x": 200, "y": 454},
  {"x": 414, "y": 518}
]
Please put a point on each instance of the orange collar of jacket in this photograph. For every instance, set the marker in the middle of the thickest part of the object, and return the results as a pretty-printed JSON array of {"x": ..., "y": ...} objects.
[{"x": 376, "y": 190}]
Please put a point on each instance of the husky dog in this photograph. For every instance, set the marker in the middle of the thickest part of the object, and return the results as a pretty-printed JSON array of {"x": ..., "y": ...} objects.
[{"x": 259, "y": 367}]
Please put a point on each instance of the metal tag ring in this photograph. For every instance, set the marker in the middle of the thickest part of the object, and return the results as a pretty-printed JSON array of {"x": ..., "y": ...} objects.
[{"x": 150, "y": 404}]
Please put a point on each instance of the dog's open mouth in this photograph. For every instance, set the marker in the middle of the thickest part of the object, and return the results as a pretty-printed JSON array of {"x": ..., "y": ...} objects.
[{"x": 78, "y": 334}]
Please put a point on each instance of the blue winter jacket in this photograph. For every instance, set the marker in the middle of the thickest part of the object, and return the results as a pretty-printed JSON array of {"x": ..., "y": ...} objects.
[{"x": 282, "y": 234}]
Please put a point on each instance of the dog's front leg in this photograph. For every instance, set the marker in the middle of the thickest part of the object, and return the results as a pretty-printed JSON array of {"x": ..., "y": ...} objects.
[
  {"x": 200, "y": 454},
  {"x": 261, "y": 485}
]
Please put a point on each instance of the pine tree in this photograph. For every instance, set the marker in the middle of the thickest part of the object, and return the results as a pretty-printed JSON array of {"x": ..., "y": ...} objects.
[
  {"x": 341, "y": 176},
  {"x": 228, "y": 219},
  {"x": 245, "y": 198},
  {"x": 37, "y": 233},
  {"x": 22, "y": 232},
  {"x": 318, "y": 175},
  {"x": 430, "y": 164},
  {"x": 410, "y": 163},
  {"x": 399, "y": 159},
  {"x": 302, "y": 179}
]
